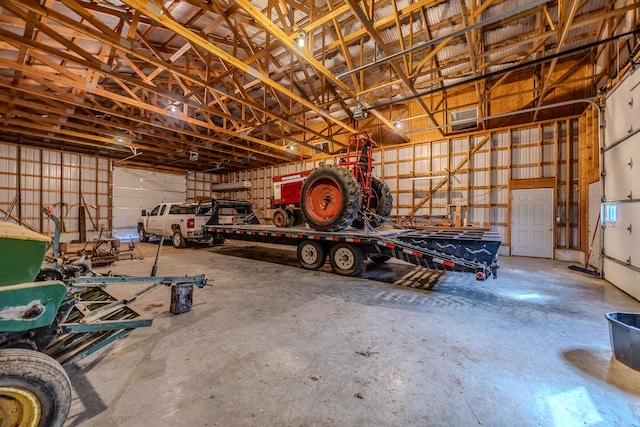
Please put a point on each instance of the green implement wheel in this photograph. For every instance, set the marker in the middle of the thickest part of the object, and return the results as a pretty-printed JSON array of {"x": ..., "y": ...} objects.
[{"x": 34, "y": 389}]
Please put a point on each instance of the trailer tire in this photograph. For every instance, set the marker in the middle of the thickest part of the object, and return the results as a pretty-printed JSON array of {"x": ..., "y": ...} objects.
[
  {"x": 34, "y": 388},
  {"x": 217, "y": 240},
  {"x": 330, "y": 198},
  {"x": 346, "y": 259},
  {"x": 311, "y": 255},
  {"x": 379, "y": 258},
  {"x": 142, "y": 235},
  {"x": 178, "y": 240},
  {"x": 380, "y": 205}
]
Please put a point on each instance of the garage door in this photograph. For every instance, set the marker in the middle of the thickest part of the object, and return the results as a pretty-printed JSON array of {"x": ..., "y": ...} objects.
[
  {"x": 134, "y": 190},
  {"x": 621, "y": 201}
]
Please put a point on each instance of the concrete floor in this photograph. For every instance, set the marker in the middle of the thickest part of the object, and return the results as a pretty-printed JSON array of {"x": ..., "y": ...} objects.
[{"x": 271, "y": 344}]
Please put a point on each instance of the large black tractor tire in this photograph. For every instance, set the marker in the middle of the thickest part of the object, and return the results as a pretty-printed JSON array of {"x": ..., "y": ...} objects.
[
  {"x": 34, "y": 389},
  {"x": 380, "y": 204},
  {"x": 330, "y": 198}
]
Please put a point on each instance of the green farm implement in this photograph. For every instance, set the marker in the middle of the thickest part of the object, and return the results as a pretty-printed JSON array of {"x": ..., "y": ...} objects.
[{"x": 47, "y": 324}]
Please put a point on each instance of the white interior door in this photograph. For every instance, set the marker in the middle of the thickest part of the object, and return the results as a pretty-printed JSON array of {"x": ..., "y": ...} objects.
[{"x": 532, "y": 222}]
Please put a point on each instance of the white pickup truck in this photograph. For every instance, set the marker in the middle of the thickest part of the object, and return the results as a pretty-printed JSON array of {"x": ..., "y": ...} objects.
[{"x": 180, "y": 221}]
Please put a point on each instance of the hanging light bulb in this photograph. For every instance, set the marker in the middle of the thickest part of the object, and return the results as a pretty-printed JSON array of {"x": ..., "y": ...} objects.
[{"x": 302, "y": 36}]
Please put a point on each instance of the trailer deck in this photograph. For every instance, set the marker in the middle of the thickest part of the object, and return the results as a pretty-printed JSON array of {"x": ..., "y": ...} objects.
[{"x": 467, "y": 251}]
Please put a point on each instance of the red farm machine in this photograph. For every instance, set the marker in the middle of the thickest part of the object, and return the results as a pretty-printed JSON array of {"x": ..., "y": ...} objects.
[{"x": 334, "y": 197}]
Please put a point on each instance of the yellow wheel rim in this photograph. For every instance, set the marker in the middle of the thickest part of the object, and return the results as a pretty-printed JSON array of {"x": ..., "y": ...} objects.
[{"x": 19, "y": 408}]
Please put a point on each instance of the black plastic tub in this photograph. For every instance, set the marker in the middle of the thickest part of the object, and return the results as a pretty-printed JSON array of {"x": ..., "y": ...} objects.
[{"x": 624, "y": 331}]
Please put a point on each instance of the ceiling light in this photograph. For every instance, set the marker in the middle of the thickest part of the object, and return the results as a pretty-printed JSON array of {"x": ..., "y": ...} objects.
[
  {"x": 302, "y": 36},
  {"x": 173, "y": 108},
  {"x": 397, "y": 125},
  {"x": 359, "y": 113}
]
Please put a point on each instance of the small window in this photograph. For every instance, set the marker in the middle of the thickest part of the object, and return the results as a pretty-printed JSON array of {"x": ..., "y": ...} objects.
[
  {"x": 164, "y": 207},
  {"x": 463, "y": 119},
  {"x": 155, "y": 210},
  {"x": 611, "y": 213},
  {"x": 322, "y": 146}
]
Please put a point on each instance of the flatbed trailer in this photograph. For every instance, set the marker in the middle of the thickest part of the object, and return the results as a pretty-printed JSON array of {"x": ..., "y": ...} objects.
[{"x": 466, "y": 251}]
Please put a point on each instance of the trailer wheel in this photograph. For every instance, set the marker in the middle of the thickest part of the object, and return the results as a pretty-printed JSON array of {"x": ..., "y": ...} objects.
[
  {"x": 330, "y": 198},
  {"x": 346, "y": 259},
  {"x": 311, "y": 255},
  {"x": 217, "y": 240},
  {"x": 380, "y": 205},
  {"x": 142, "y": 235},
  {"x": 34, "y": 389},
  {"x": 177, "y": 240},
  {"x": 379, "y": 258}
]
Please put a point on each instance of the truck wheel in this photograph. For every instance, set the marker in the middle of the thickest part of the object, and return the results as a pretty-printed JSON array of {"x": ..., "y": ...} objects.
[
  {"x": 380, "y": 204},
  {"x": 177, "y": 240},
  {"x": 330, "y": 198},
  {"x": 311, "y": 255},
  {"x": 142, "y": 235},
  {"x": 34, "y": 389},
  {"x": 346, "y": 259},
  {"x": 281, "y": 218}
]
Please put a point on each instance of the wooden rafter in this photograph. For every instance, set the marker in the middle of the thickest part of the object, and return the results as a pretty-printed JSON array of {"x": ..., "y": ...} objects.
[{"x": 243, "y": 88}]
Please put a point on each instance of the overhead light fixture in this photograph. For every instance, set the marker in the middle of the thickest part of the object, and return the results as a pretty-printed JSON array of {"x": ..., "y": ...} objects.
[
  {"x": 134, "y": 153},
  {"x": 173, "y": 108},
  {"x": 193, "y": 156},
  {"x": 398, "y": 125},
  {"x": 359, "y": 113},
  {"x": 302, "y": 36}
]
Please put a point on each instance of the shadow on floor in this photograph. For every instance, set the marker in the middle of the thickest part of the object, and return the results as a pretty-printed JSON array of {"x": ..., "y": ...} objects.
[
  {"x": 387, "y": 272},
  {"x": 602, "y": 365}
]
